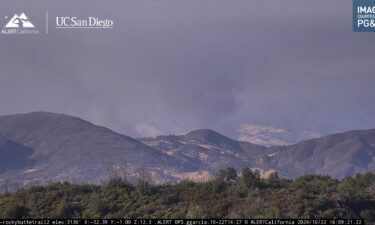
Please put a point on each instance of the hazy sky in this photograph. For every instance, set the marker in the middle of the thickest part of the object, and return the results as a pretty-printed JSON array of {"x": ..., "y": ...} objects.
[{"x": 172, "y": 66}]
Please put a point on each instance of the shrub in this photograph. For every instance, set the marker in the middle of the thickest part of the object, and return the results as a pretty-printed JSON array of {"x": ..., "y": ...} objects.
[{"x": 16, "y": 212}]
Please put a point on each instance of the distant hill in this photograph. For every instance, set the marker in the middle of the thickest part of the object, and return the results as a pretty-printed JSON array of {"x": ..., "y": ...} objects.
[
  {"x": 265, "y": 135},
  {"x": 66, "y": 147},
  {"x": 42, "y": 146},
  {"x": 14, "y": 156},
  {"x": 208, "y": 150},
  {"x": 338, "y": 155}
]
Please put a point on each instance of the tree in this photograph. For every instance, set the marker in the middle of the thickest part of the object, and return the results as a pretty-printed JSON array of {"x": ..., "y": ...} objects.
[
  {"x": 143, "y": 181},
  {"x": 250, "y": 178},
  {"x": 273, "y": 179},
  {"x": 228, "y": 175}
]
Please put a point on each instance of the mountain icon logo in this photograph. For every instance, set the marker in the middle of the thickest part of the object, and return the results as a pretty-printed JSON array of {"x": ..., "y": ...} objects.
[{"x": 19, "y": 21}]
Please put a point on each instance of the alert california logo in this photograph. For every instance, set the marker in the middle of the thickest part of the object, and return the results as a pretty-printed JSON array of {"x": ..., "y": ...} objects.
[{"x": 19, "y": 24}]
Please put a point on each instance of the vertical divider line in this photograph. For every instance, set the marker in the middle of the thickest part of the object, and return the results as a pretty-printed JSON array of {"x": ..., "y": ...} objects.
[{"x": 46, "y": 22}]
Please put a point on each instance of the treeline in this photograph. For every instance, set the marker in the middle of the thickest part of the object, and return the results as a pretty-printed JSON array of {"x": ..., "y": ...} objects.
[{"x": 230, "y": 195}]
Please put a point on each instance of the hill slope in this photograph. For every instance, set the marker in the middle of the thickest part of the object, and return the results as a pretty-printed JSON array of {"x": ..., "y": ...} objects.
[
  {"x": 14, "y": 156},
  {"x": 66, "y": 147},
  {"x": 338, "y": 155},
  {"x": 53, "y": 146},
  {"x": 208, "y": 150}
]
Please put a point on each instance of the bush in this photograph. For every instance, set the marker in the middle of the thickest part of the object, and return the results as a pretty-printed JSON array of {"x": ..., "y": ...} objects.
[
  {"x": 100, "y": 207},
  {"x": 230, "y": 197},
  {"x": 121, "y": 184},
  {"x": 67, "y": 210},
  {"x": 16, "y": 212}
]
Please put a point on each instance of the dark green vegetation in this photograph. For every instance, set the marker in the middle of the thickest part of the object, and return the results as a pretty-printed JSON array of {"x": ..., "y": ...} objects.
[{"x": 228, "y": 196}]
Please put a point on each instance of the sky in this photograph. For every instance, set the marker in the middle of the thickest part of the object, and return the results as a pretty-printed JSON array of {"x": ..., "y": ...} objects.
[{"x": 168, "y": 67}]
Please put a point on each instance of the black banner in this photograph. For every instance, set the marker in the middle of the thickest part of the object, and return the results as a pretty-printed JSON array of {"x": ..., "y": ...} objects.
[{"x": 181, "y": 221}]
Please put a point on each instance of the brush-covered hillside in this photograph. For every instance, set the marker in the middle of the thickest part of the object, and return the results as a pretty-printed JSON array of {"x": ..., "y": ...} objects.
[{"x": 228, "y": 196}]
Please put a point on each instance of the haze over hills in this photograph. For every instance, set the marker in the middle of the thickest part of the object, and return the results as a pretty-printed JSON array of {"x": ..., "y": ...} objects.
[
  {"x": 265, "y": 135},
  {"x": 268, "y": 135},
  {"x": 40, "y": 146}
]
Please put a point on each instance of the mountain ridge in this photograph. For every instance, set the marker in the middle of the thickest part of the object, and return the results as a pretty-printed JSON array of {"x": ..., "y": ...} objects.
[
  {"x": 69, "y": 147},
  {"x": 77, "y": 147}
]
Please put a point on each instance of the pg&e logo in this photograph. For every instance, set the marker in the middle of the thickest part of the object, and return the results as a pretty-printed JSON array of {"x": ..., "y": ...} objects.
[{"x": 364, "y": 15}]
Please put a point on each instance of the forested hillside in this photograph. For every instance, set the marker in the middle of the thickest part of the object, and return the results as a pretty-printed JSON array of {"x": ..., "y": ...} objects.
[{"x": 228, "y": 196}]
